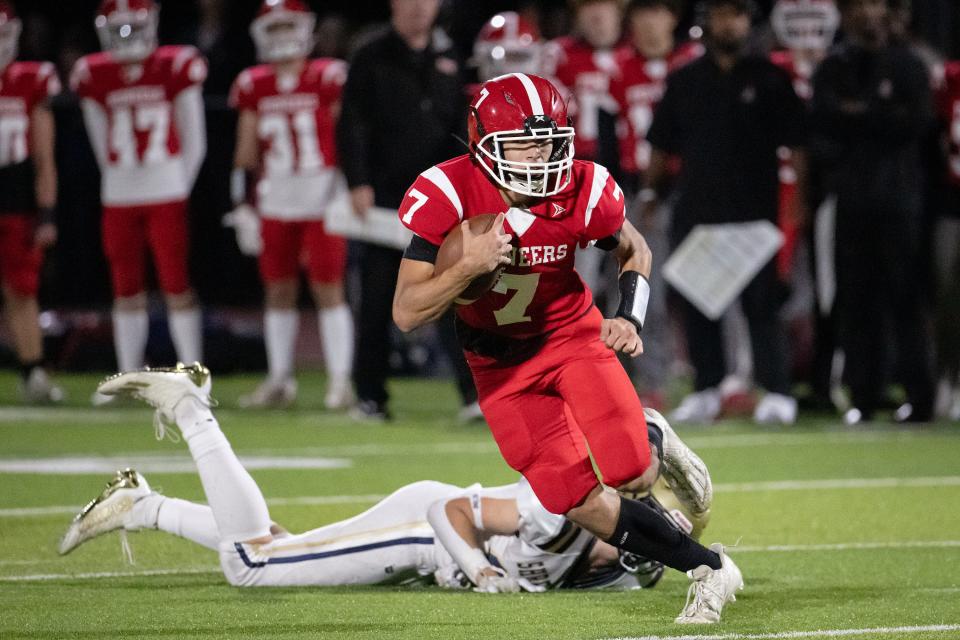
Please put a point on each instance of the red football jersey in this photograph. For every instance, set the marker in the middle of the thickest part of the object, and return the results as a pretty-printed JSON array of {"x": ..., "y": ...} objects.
[
  {"x": 23, "y": 85},
  {"x": 539, "y": 291},
  {"x": 949, "y": 107},
  {"x": 638, "y": 89},
  {"x": 296, "y": 121},
  {"x": 143, "y": 143},
  {"x": 583, "y": 74}
]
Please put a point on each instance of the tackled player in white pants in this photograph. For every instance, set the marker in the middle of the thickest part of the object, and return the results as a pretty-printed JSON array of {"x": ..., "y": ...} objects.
[{"x": 497, "y": 540}]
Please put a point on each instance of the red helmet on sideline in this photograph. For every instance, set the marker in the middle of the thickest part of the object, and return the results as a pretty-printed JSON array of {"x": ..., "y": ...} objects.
[
  {"x": 522, "y": 108},
  {"x": 127, "y": 28},
  {"x": 507, "y": 43}
]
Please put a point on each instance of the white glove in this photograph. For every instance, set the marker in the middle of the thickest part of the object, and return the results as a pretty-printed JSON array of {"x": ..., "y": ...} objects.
[
  {"x": 451, "y": 576},
  {"x": 501, "y": 583},
  {"x": 246, "y": 224}
]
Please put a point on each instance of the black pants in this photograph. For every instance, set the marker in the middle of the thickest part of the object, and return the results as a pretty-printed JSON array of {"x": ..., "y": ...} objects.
[
  {"x": 761, "y": 302},
  {"x": 378, "y": 279},
  {"x": 879, "y": 312}
]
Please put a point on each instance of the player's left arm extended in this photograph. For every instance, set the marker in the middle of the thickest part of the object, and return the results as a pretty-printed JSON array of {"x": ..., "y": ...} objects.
[
  {"x": 44, "y": 163},
  {"x": 622, "y": 332},
  {"x": 192, "y": 129},
  {"x": 462, "y": 523}
]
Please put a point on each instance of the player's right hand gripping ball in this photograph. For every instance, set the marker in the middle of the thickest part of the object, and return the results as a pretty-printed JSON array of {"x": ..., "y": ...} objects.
[{"x": 451, "y": 251}]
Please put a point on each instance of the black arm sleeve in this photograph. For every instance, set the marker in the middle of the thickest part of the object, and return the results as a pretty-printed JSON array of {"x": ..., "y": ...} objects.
[{"x": 421, "y": 250}]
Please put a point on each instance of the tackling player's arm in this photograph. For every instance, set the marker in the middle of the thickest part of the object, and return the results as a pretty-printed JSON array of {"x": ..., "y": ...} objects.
[
  {"x": 461, "y": 524},
  {"x": 45, "y": 185},
  {"x": 422, "y": 296}
]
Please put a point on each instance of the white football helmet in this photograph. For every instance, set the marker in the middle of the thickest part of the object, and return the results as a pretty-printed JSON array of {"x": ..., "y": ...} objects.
[
  {"x": 127, "y": 28},
  {"x": 805, "y": 24},
  {"x": 283, "y": 30},
  {"x": 10, "y": 27}
]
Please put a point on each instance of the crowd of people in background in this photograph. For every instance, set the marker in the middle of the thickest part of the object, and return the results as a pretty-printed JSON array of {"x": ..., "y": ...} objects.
[{"x": 835, "y": 122}]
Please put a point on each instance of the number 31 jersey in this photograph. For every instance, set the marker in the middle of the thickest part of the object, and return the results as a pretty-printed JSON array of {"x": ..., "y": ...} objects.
[
  {"x": 143, "y": 160},
  {"x": 296, "y": 118},
  {"x": 539, "y": 291}
]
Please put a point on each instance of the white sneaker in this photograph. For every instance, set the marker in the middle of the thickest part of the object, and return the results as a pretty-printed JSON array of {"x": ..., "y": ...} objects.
[
  {"x": 470, "y": 413},
  {"x": 776, "y": 408},
  {"x": 700, "y": 407},
  {"x": 683, "y": 470},
  {"x": 271, "y": 394},
  {"x": 710, "y": 590},
  {"x": 40, "y": 389},
  {"x": 339, "y": 396},
  {"x": 954, "y": 413},
  {"x": 162, "y": 389},
  {"x": 107, "y": 512}
]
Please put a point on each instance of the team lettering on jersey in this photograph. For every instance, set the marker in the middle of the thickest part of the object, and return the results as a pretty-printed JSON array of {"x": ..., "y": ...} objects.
[
  {"x": 539, "y": 291},
  {"x": 143, "y": 159},
  {"x": 296, "y": 120},
  {"x": 23, "y": 85},
  {"x": 637, "y": 89}
]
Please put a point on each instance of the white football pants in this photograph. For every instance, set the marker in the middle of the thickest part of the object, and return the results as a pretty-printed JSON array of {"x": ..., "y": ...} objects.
[{"x": 389, "y": 543}]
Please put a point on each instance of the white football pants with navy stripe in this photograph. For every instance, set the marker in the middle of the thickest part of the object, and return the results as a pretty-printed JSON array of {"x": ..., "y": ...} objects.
[{"x": 389, "y": 543}]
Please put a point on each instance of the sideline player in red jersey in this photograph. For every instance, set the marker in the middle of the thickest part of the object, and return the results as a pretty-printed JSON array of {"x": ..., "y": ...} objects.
[
  {"x": 643, "y": 68},
  {"x": 285, "y": 135},
  {"x": 806, "y": 29},
  {"x": 948, "y": 317},
  {"x": 28, "y": 196},
  {"x": 143, "y": 109},
  {"x": 537, "y": 346}
]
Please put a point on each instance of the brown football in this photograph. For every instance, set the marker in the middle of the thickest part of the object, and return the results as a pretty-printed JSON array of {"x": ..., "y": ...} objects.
[{"x": 451, "y": 250}]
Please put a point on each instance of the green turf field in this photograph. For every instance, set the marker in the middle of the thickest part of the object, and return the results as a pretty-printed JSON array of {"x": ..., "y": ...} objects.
[{"x": 838, "y": 529}]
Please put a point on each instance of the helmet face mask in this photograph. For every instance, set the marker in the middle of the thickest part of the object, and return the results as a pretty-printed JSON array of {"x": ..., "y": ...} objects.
[
  {"x": 128, "y": 33},
  {"x": 805, "y": 24},
  {"x": 283, "y": 31},
  {"x": 10, "y": 27},
  {"x": 511, "y": 115},
  {"x": 534, "y": 179}
]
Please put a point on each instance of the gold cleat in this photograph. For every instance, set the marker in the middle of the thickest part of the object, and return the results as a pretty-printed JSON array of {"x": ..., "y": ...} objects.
[
  {"x": 107, "y": 512},
  {"x": 162, "y": 388}
]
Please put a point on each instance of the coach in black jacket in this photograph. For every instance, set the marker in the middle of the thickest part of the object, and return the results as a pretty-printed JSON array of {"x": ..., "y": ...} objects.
[
  {"x": 871, "y": 107},
  {"x": 402, "y": 103}
]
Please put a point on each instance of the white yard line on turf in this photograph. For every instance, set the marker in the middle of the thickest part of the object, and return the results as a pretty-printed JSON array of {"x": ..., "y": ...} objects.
[
  {"x": 820, "y": 633},
  {"x": 745, "y": 487},
  {"x": 42, "y": 577},
  {"x": 849, "y": 546},
  {"x": 70, "y": 465}
]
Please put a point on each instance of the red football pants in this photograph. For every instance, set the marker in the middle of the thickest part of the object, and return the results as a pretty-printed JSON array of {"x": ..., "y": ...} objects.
[
  {"x": 127, "y": 233},
  {"x": 20, "y": 258},
  {"x": 524, "y": 406}
]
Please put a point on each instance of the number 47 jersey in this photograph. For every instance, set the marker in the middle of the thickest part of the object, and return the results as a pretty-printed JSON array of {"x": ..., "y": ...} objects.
[
  {"x": 539, "y": 291},
  {"x": 296, "y": 117},
  {"x": 139, "y": 145}
]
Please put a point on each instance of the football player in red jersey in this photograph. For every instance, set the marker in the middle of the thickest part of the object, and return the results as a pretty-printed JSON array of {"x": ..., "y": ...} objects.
[
  {"x": 643, "y": 68},
  {"x": 143, "y": 109},
  {"x": 28, "y": 195},
  {"x": 285, "y": 135},
  {"x": 948, "y": 321},
  {"x": 644, "y": 65},
  {"x": 806, "y": 29},
  {"x": 542, "y": 356},
  {"x": 582, "y": 66}
]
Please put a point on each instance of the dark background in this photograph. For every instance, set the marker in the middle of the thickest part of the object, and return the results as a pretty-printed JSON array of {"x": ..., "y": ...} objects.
[{"x": 75, "y": 275}]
